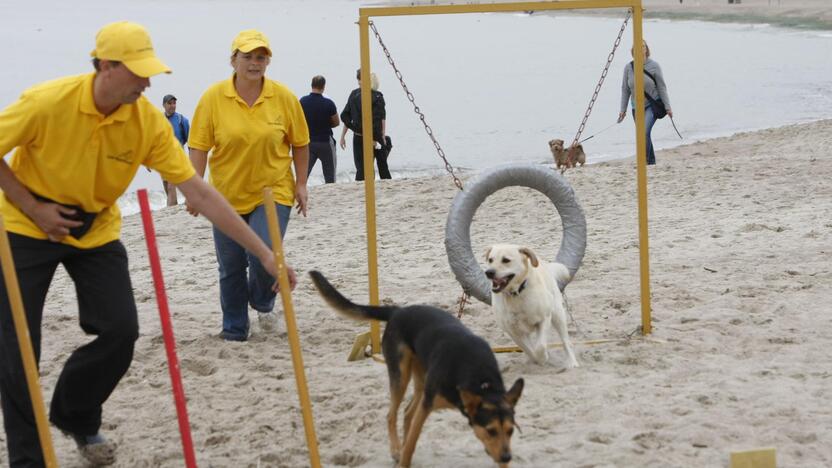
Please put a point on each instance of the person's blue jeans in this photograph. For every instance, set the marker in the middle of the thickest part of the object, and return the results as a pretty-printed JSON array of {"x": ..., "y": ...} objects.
[
  {"x": 243, "y": 280},
  {"x": 649, "y": 121}
]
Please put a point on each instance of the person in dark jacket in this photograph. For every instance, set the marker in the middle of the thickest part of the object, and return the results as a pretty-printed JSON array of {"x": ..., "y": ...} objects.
[{"x": 351, "y": 116}]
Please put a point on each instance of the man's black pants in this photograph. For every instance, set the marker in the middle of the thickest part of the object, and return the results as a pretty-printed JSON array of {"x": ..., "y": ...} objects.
[
  {"x": 358, "y": 158},
  {"x": 106, "y": 309},
  {"x": 325, "y": 152}
]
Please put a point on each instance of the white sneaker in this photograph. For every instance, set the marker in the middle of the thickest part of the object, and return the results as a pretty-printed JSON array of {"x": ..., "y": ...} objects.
[{"x": 268, "y": 321}]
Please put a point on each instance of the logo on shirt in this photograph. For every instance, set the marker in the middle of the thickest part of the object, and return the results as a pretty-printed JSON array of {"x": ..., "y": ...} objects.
[
  {"x": 125, "y": 157},
  {"x": 277, "y": 122}
]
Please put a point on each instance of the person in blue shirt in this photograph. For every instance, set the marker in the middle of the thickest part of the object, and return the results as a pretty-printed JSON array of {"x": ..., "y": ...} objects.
[
  {"x": 181, "y": 129},
  {"x": 321, "y": 117}
]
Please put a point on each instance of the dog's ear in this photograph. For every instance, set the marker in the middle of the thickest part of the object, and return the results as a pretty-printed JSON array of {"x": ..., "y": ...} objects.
[
  {"x": 487, "y": 253},
  {"x": 514, "y": 393},
  {"x": 528, "y": 252},
  {"x": 470, "y": 401}
]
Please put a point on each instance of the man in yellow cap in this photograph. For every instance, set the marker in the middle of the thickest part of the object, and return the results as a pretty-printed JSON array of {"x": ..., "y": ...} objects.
[{"x": 78, "y": 142}]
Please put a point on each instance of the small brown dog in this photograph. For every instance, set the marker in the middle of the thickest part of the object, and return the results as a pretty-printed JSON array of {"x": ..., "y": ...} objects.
[{"x": 561, "y": 155}]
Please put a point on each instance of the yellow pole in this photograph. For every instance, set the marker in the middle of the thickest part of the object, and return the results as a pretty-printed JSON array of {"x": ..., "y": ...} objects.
[
  {"x": 291, "y": 328},
  {"x": 641, "y": 170},
  {"x": 24, "y": 340},
  {"x": 369, "y": 173}
]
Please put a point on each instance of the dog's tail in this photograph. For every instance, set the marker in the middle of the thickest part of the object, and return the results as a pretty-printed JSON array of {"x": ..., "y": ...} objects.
[
  {"x": 347, "y": 307},
  {"x": 561, "y": 273}
]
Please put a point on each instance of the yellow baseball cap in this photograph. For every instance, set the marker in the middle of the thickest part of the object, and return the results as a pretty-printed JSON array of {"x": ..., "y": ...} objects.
[
  {"x": 128, "y": 43},
  {"x": 250, "y": 39}
]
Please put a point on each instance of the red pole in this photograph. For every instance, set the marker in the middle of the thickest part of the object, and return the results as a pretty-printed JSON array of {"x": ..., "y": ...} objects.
[{"x": 167, "y": 331}]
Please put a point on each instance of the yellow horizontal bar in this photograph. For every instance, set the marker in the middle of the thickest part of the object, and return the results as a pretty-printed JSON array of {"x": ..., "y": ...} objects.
[
  {"x": 515, "y": 349},
  {"x": 496, "y": 7}
]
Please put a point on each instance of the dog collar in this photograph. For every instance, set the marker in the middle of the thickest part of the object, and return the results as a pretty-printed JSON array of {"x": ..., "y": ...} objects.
[{"x": 520, "y": 289}]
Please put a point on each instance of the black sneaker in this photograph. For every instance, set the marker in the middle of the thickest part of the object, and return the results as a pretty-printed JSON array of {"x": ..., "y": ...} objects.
[{"x": 95, "y": 448}]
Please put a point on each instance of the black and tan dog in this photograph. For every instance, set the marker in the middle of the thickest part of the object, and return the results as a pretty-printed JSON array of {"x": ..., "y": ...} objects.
[{"x": 451, "y": 368}]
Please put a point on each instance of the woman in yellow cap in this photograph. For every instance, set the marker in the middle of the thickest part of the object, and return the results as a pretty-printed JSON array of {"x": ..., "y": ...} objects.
[{"x": 256, "y": 131}]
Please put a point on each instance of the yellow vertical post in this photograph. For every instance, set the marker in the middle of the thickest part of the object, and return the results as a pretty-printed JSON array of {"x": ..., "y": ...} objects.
[
  {"x": 369, "y": 173},
  {"x": 291, "y": 328},
  {"x": 641, "y": 169},
  {"x": 24, "y": 341}
]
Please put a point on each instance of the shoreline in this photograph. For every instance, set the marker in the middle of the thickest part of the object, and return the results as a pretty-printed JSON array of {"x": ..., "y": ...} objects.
[
  {"x": 799, "y": 14},
  {"x": 795, "y": 14}
]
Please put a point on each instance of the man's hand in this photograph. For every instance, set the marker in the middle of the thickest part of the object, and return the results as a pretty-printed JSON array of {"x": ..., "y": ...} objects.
[
  {"x": 621, "y": 116},
  {"x": 293, "y": 279},
  {"x": 270, "y": 266},
  {"x": 49, "y": 218},
  {"x": 670, "y": 113},
  {"x": 343, "y": 142},
  {"x": 302, "y": 198}
]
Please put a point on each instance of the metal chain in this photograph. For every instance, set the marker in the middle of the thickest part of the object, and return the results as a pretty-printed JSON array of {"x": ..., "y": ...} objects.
[
  {"x": 416, "y": 109},
  {"x": 575, "y": 142},
  {"x": 463, "y": 301}
]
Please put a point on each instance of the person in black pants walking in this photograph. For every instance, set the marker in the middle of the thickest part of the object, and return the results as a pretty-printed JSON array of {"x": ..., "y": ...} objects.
[
  {"x": 321, "y": 118},
  {"x": 351, "y": 116},
  {"x": 98, "y": 129}
]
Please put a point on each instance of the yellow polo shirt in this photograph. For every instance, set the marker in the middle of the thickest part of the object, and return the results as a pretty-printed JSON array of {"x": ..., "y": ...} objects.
[
  {"x": 250, "y": 146},
  {"x": 69, "y": 152}
]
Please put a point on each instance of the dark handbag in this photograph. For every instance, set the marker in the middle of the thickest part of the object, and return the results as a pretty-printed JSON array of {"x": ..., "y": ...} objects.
[
  {"x": 386, "y": 146},
  {"x": 657, "y": 106},
  {"x": 80, "y": 215}
]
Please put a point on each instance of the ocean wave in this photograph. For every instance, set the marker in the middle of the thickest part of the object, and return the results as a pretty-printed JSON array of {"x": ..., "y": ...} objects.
[{"x": 129, "y": 202}]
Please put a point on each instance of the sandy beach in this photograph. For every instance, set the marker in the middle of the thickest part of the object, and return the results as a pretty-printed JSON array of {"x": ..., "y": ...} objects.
[
  {"x": 741, "y": 254},
  {"x": 739, "y": 245}
]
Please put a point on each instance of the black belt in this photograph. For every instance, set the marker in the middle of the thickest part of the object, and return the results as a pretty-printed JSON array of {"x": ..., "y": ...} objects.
[{"x": 80, "y": 215}]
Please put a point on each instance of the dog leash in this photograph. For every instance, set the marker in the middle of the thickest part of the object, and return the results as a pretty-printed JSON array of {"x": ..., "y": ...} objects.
[
  {"x": 672, "y": 122},
  {"x": 598, "y": 133}
]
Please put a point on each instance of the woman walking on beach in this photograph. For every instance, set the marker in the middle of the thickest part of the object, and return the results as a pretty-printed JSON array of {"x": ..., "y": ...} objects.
[
  {"x": 351, "y": 116},
  {"x": 256, "y": 130},
  {"x": 655, "y": 92}
]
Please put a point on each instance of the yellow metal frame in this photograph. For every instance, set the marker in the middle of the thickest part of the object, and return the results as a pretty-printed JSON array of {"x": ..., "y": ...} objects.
[{"x": 366, "y": 121}]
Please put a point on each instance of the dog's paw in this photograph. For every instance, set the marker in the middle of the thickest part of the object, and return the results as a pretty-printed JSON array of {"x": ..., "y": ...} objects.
[{"x": 571, "y": 364}]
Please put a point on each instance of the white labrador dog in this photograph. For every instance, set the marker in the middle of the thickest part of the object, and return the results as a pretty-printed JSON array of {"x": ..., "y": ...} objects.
[{"x": 526, "y": 299}]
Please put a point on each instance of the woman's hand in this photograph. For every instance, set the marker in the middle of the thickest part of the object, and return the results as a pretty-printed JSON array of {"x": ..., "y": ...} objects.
[
  {"x": 343, "y": 142},
  {"x": 669, "y": 113},
  {"x": 302, "y": 198},
  {"x": 191, "y": 209},
  {"x": 621, "y": 116}
]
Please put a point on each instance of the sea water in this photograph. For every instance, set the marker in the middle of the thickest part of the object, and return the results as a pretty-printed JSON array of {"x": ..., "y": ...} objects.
[{"x": 494, "y": 88}]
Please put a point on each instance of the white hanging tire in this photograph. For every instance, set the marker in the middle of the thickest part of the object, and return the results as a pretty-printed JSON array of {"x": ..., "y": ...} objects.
[{"x": 541, "y": 178}]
